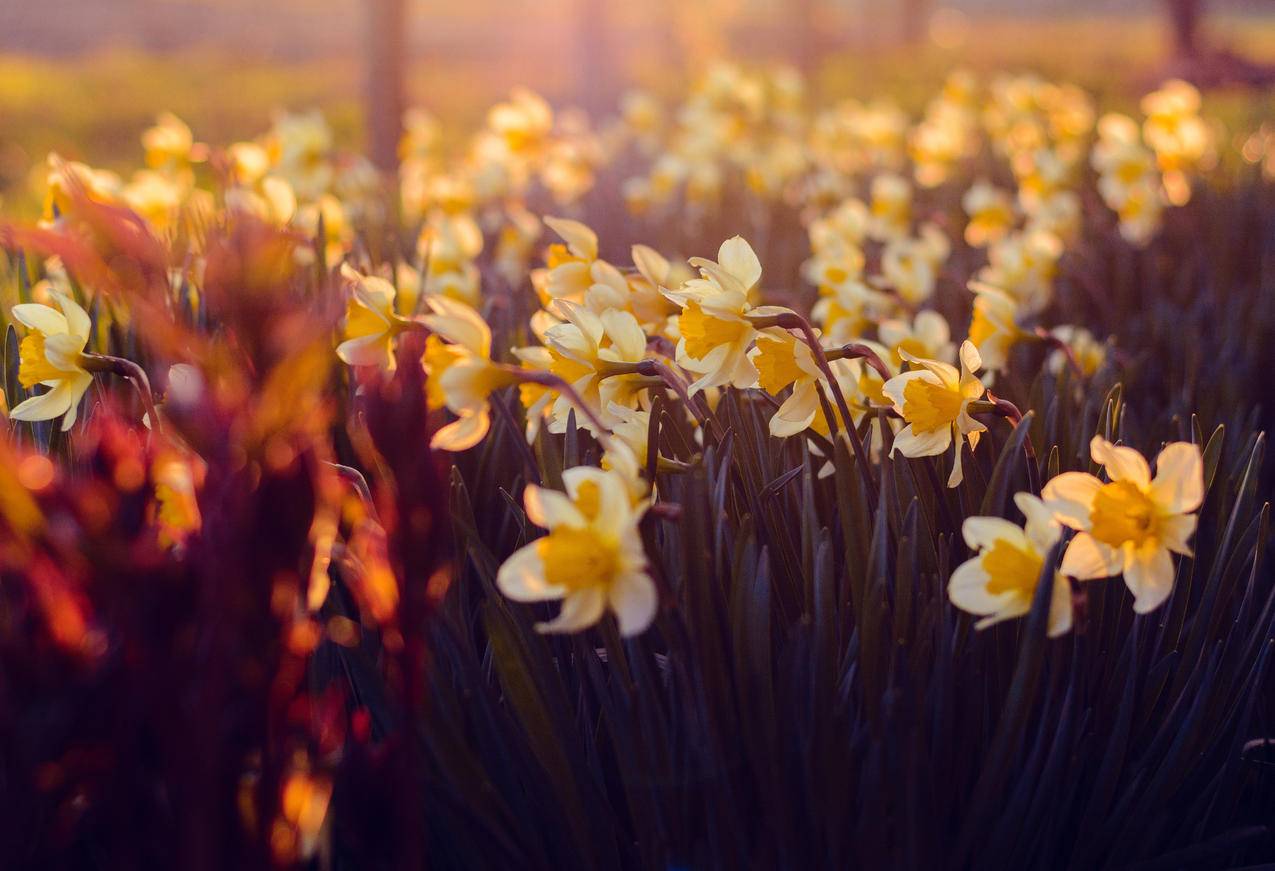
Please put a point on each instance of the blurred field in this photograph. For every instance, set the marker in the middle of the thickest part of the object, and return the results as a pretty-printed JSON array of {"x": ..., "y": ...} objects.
[{"x": 93, "y": 107}]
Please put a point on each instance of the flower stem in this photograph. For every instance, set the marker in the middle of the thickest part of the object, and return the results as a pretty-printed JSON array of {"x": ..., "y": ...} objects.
[
  {"x": 131, "y": 371},
  {"x": 794, "y": 321}
]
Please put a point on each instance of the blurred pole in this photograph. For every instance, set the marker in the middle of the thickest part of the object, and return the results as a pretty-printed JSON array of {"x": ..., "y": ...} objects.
[
  {"x": 915, "y": 18},
  {"x": 385, "y": 54},
  {"x": 806, "y": 39},
  {"x": 595, "y": 73},
  {"x": 1184, "y": 15}
]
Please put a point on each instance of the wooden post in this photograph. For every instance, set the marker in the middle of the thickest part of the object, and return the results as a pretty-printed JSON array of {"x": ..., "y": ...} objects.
[
  {"x": 384, "y": 53},
  {"x": 594, "y": 74},
  {"x": 1184, "y": 16}
]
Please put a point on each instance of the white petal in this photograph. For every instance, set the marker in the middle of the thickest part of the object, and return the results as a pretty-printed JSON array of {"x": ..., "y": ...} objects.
[
  {"x": 77, "y": 319},
  {"x": 1088, "y": 558},
  {"x": 550, "y": 509},
  {"x": 458, "y": 323},
  {"x": 1179, "y": 478},
  {"x": 580, "y": 610},
  {"x": 626, "y": 336},
  {"x": 1070, "y": 496},
  {"x": 653, "y": 266},
  {"x": 1060, "y": 608},
  {"x": 634, "y": 600},
  {"x": 737, "y": 257},
  {"x": 582, "y": 241},
  {"x": 1040, "y": 525},
  {"x": 1176, "y": 531},
  {"x": 35, "y": 316},
  {"x": 53, "y": 403},
  {"x": 1122, "y": 463},
  {"x": 981, "y": 533},
  {"x": 1149, "y": 576},
  {"x": 928, "y": 444},
  {"x": 968, "y": 589},
  {"x": 522, "y": 577},
  {"x": 63, "y": 351},
  {"x": 462, "y": 433},
  {"x": 371, "y": 350}
]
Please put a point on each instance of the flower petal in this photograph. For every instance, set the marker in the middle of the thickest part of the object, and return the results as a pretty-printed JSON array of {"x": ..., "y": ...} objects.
[
  {"x": 35, "y": 316},
  {"x": 1088, "y": 558},
  {"x": 1149, "y": 576},
  {"x": 462, "y": 433},
  {"x": 1179, "y": 478},
  {"x": 580, "y": 610},
  {"x": 522, "y": 577},
  {"x": 1122, "y": 463},
  {"x": 1070, "y": 496},
  {"x": 634, "y": 600}
]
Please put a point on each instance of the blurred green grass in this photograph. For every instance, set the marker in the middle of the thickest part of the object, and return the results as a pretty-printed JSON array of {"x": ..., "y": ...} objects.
[{"x": 94, "y": 107}]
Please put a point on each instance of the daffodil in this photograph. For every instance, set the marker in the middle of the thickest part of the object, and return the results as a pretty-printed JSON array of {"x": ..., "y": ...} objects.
[
  {"x": 461, "y": 373},
  {"x": 575, "y": 273},
  {"x": 926, "y": 336},
  {"x": 1000, "y": 581},
  {"x": 891, "y": 207},
  {"x": 1088, "y": 353},
  {"x": 990, "y": 211},
  {"x": 592, "y": 558},
  {"x": 52, "y": 354},
  {"x": 371, "y": 324},
  {"x": 1133, "y": 523},
  {"x": 582, "y": 350},
  {"x": 934, "y": 402},
  {"x": 782, "y": 360},
  {"x": 994, "y": 326},
  {"x": 714, "y": 326}
]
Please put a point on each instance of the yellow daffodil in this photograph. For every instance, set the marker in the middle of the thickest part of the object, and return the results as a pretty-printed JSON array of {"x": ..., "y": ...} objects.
[
  {"x": 461, "y": 373},
  {"x": 994, "y": 326},
  {"x": 891, "y": 207},
  {"x": 934, "y": 402},
  {"x": 52, "y": 354},
  {"x": 715, "y": 332},
  {"x": 999, "y": 582},
  {"x": 370, "y": 322},
  {"x": 592, "y": 559},
  {"x": 1088, "y": 353},
  {"x": 300, "y": 148},
  {"x": 782, "y": 360},
  {"x": 170, "y": 145},
  {"x": 1132, "y": 524},
  {"x": 927, "y": 336},
  {"x": 990, "y": 211},
  {"x": 582, "y": 349}
]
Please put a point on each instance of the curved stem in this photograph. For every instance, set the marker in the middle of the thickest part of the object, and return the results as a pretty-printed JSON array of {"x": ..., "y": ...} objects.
[
  {"x": 554, "y": 382},
  {"x": 794, "y": 321},
  {"x": 856, "y": 351},
  {"x": 134, "y": 373}
]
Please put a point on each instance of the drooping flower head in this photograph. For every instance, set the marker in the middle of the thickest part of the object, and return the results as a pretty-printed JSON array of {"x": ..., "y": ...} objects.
[{"x": 52, "y": 355}]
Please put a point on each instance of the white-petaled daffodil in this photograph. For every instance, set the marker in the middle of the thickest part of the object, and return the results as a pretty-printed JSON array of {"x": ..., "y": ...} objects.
[
  {"x": 999, "y": 582},
  {"x": 461, "y": 373},
  {"x": 934, "y": 402},
  {"x": 1132, "y": 524},
  {"x": 52, "y": 354},
  {"x": 592, "y": 559}
]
